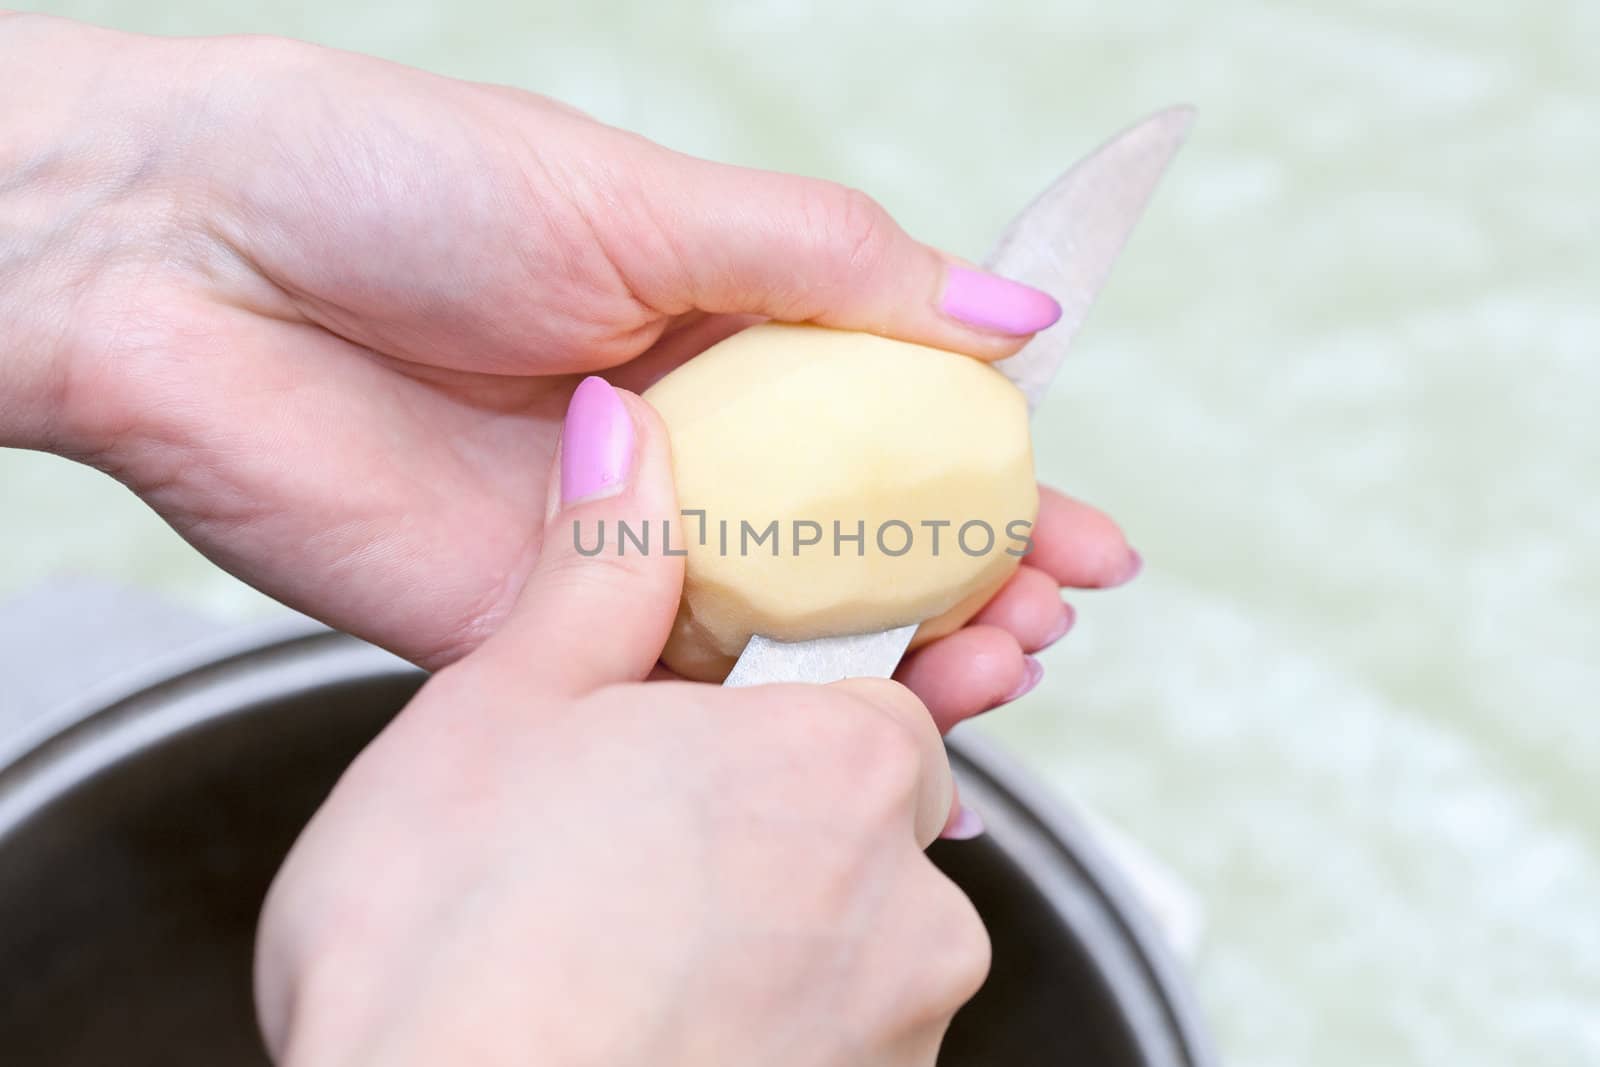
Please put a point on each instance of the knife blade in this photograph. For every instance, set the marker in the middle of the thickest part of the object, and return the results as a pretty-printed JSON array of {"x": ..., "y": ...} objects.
[
  {"x": 1065, "y": 243},
  {"x": 821, "y": 660},
  {"x": 1067, "y": 239}
]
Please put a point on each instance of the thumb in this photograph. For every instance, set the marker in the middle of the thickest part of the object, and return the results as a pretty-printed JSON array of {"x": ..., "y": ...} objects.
[
  {"x": 803, "y": 250},
  {"x": 599, "y": 604}
]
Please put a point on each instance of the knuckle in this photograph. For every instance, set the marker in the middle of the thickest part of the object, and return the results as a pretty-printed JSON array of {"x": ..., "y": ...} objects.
[
  {"x": 859, "y": 228},
  {"x": 885, "y": 757},
  {"x": 866, "y": 744},
  {"x": 966, "y": 953},
  {"x": 890, "y": 715},
  {"x": 971, "y": 957},
  {"x": 871, "y": 753},
  {"x": 270, "y": 53}
]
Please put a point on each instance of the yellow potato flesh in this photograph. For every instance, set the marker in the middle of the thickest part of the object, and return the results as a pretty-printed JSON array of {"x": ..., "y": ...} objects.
[{"x": 797, "y": 424}]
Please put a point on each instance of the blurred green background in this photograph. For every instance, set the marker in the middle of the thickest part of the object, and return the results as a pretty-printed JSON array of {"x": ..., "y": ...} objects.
[{"x": 1341, "y": 392}]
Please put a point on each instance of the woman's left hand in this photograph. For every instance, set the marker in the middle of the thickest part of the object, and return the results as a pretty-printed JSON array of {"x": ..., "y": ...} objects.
[{"x": 324, "y": 314}]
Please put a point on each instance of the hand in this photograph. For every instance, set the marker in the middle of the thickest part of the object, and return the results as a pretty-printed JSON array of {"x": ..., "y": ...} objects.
[
  {"x": 323, "y": 313},
  {"x": 537, "y": 864}
]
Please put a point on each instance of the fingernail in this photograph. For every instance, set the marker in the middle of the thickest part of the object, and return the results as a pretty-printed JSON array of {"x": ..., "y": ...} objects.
[
  {"x": 990, "y": 302},
  {"x": 1032, "y": 672},
  {"x": 1063, "y": 626},
  {"x": 1131, "y": 571},
  {"x": 964, "y": 827},
  {"x": 596, "y": 443}
]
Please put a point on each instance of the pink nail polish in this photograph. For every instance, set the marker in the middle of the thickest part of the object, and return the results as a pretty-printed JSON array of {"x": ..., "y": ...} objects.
[
  {"x": 596, "y": 443},
  {"x": 1062, "y": 627},
  {"x": 964, "y": 827},
  {"x": 1032, "y": 673},
  {"x": 993, "y": 303},
  {"x": 1130, "y": 571}
]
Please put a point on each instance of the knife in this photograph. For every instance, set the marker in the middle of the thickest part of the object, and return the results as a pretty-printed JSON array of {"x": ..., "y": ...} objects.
[{"x": 1064, "y": 243}]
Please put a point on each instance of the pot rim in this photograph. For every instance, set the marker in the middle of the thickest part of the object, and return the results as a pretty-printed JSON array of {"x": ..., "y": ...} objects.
[{"x": 222, "y": 676}]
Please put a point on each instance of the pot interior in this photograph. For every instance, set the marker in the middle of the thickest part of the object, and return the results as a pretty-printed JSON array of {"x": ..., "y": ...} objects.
[{"x": 128, "y": 900}]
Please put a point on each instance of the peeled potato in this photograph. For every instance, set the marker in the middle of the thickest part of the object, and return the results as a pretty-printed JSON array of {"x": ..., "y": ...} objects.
[{"x": 788, "y": 441}]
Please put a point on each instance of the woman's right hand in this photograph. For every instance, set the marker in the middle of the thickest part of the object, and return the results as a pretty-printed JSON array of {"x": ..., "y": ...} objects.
[{"x": 538, "y": 863}]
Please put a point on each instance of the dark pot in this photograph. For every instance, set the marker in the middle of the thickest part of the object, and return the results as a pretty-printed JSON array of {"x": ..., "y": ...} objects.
[{"x": 139, "y": 831}]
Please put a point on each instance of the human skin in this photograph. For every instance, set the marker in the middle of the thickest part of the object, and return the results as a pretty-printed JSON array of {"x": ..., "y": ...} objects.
[
  {"x": 541, "y": 862},
  {"x": 323, "y": 313}
]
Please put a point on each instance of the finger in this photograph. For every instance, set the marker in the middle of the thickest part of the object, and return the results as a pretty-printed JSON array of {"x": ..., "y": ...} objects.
[
  {"x": 600, "y": 602},
  {"x": 1080, "y": 546},
  {"x": 935, "y": 788},
  {"x": 935, "y": 924},
  {"x": 974, "y": 670},
  {"x": 1029, "y": 607},
  {"x": 798, "y": 249},
  {"x": 964, "y": 823}
]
